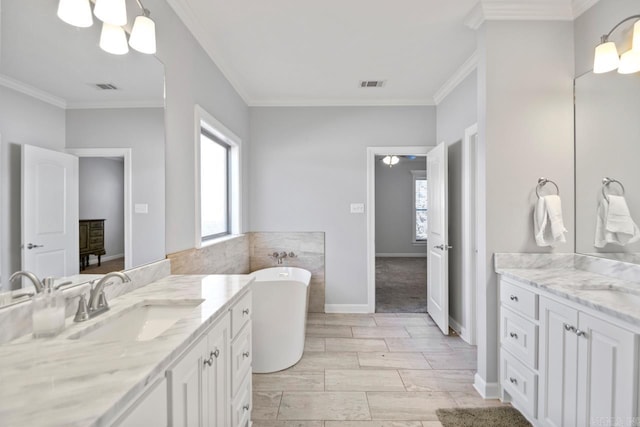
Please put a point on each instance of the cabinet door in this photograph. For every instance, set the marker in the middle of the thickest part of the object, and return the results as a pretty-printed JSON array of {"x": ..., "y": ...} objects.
[
  {"x": 148, "y": 410},
  {"x": 558, "y": 364},
  {"x": 606, "y": 391},
  {"x": 217, "y": 375},
  {"x": 186, "y": 387}
]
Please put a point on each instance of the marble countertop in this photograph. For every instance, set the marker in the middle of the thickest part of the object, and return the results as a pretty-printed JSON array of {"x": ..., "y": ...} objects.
[
  {"x": 615, "y": 297},
  {"x": 68, "y": 382}
]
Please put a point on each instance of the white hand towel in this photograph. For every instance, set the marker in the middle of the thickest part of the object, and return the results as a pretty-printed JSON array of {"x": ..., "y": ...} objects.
[
  {"x": 614, "y": 223},
  {"x": 547, "y": 221}
]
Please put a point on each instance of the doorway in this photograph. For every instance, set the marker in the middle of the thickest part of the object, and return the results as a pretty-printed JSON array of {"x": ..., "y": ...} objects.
[
  {"x": 105, "y": 208},
  {"x": 396, "y": 267}
]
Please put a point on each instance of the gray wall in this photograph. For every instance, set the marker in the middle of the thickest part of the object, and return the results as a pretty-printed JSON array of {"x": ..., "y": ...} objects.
[
  {"x": 142, "y": 130},
  {"x": 394, "y": 208},
  {"x": 455, "y": 113},
  {"x": 309, "y": 164},
  {"x": 191, "y": 78},
  {"x": 23, "y": 120},
  {"x": 101, "y": 196},
  {"x": 525, "y": 123}
]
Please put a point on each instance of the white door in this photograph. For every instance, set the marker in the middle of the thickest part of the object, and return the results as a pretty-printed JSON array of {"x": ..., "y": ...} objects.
[
  {"x": 49, "y": 212},
  {"x": 437, "y": 238}
]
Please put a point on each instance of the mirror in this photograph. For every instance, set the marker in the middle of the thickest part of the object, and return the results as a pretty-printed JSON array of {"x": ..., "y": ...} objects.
[
  {"x": 607, "y": 145},
  {"x": 50, "y": 97}
]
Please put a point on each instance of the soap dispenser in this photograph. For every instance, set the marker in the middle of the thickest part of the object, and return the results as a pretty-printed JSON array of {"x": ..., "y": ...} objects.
[{"x": 48, "y": 310}]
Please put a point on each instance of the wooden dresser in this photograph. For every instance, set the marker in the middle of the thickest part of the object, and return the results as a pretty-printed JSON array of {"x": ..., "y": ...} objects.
[{"x": 91, "y": 240}]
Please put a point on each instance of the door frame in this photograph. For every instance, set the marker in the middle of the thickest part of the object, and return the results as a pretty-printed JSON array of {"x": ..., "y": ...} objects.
[
  {"x": 125, "y": 153},
  {"x": 470, "y": 228},
  {"x": 371, "y": 214}
]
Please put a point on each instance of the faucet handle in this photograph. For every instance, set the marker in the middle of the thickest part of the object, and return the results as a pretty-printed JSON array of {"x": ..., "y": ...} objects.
[
  {"x": 82, "y": 313},
  {"x": 292, "y": 255}
]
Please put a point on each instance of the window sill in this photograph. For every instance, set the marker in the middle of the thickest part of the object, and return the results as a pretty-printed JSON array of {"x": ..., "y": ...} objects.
[
  {"x": 222, "y": 239},
  {"x": 421, "y": 243}
]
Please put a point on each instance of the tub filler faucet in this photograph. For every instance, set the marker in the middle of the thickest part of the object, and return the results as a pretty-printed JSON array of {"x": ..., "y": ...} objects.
[{"x": 280, "y": 256}]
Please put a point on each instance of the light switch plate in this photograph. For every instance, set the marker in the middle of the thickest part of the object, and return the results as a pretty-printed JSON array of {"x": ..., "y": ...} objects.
[
  {"x": 141, "y": 208},
  {"x": 357, "y": 208}
]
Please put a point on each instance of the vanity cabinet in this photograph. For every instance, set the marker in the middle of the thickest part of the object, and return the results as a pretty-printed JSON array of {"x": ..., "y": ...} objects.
[{"x": 585, "y": 371}]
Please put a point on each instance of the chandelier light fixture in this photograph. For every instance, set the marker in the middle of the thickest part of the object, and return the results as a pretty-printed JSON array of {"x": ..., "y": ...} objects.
[
  {"x": 606, "y": 56},
  {"x": 113, "y": 14},
  {"x": 390, "y": 160}
]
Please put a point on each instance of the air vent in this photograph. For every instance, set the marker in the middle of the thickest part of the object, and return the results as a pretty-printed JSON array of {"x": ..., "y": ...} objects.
[
  {"x": 106, "y": 86},
  {"x": 371, "y": 83}
]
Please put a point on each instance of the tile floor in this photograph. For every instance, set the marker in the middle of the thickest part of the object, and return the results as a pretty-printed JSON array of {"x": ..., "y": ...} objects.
[
  {"x": 369, "y": 370},
  {"x": 401, "y": 285}
]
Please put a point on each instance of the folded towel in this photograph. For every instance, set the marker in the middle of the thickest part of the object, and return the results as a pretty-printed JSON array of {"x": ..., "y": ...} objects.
[
  {"x": 548, "y": 225},
  {"x": 614, "y": 223}
]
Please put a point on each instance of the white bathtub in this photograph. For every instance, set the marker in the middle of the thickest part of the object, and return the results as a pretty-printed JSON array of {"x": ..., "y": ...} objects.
[{"x": 280, "y": 299}]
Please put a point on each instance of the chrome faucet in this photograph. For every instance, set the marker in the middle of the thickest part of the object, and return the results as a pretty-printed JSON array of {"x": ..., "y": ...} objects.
[
  {"x": 34, "y": 279},
  {"x": 282, "y": 255},
  {"x": 97, "y": 300}
]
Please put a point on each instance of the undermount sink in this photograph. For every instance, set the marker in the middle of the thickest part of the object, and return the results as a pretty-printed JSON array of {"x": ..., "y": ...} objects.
[{"x": 139, "y": 323}]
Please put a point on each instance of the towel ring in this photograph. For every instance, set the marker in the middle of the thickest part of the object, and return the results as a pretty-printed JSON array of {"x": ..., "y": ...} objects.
[
  {"x": 544, "y": 181},
  {"x": 605, "y": 184}
]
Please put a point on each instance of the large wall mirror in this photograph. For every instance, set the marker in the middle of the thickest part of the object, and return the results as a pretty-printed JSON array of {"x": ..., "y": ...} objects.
[
  {"x": 607, "y": 146},
  {"x": 61, "y": 92}
]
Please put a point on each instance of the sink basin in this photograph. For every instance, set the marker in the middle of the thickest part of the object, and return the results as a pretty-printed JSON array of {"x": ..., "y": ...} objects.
[{"x": 139, "y": 323}]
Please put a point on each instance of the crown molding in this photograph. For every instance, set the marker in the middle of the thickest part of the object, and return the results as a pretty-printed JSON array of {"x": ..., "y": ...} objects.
[
  {"x": 314, "y": 102},
  {"x": 95, "y": 105},
  {"x": 581, "y": 6},
  {"x": 456, "y": 78},
  {"x": 31, "y": 91},
  {"x": 517, "y": 10},
  {"x": 188, "y": 18}
]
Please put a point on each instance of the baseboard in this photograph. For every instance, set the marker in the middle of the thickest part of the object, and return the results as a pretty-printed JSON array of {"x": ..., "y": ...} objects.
[
  {"x": 346, "y": 308},
  {"x": 486, "y": 390},
  {"x": 94, "y": 260},
  {"x": 408, "y": 255}
]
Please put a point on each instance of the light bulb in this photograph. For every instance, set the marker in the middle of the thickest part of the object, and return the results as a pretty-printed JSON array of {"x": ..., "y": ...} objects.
[
  {"x": 75, "y": 12},
  {"x": 606, "y": 58},
  {"x": 113, "y": 39},
  {"x": 636, "y": 36},
  {"x": 629, "y": 62},
  {"x": 143, "y": 35},
  {"x": 112, "y": 12}
]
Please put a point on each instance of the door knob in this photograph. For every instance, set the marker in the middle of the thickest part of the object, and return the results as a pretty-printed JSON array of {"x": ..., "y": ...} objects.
[
  {"x": 32, "y": 246},
  {"x": 443, "y": 247}
]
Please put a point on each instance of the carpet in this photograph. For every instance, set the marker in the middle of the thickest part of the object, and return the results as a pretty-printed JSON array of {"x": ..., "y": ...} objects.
[{"x": 499, "y": 416}]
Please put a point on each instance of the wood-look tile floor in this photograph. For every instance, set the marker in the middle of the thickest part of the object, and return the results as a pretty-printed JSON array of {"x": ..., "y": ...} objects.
[{"x": 369, "y": 370}]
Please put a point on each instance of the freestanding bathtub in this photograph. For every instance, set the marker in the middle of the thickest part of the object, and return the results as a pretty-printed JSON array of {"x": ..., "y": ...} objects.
[{"x": 280, "y": 299}]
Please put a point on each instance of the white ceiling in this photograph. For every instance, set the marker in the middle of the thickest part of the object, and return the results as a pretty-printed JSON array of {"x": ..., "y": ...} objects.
[
  {"x": 59, "y": 63},
  {"x": 292, "y": 52},
  {"x": 301, "y": 52}
]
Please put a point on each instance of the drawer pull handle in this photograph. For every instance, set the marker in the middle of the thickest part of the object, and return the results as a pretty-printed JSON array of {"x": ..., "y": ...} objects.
[
  {"x": 569, "y": 328},
  {"x": 513, "y": 298},
  {"x": 245, "y": 354},
  {"x": 513, "y": 335},
  {"x": 245, "y": 311},
  {"x": 216, "y": 353},
  {"x": 513, "y": 380},
  {"x": 246, "y": 407},
  {"x": 581, "y": 333}
]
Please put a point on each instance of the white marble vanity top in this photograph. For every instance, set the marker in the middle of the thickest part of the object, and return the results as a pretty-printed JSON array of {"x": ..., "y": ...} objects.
[
  {"x": 615, "y": 297},
  {"x": 66, "y": 382}
]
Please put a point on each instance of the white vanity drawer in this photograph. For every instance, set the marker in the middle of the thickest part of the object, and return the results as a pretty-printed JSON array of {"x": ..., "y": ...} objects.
[
  {"x": 240, "y": 359},
  {"x": 518, "y": 299},
  {"x": 520, "y": 382},
  {"x": 240, "y": 314},
  {"x": 241, "y": 405},
  {"x": 520, "y": 336}
]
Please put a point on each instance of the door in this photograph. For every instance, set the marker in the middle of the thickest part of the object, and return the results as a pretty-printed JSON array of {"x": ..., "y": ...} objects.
[
  {"x": 437, "y": 238},
  {"x": 49, "y": 212},
  {"x": 558, "y": 364},
  {"x": 217, "y": 406},
  {"x": 608, "y": 370},
  {"x": 187, "y": 380}
]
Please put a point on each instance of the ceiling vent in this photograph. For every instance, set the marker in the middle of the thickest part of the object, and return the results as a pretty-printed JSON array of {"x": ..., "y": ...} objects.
[
  {"x": 371, "y": 83},
  {"x": 106, "y": 86}
]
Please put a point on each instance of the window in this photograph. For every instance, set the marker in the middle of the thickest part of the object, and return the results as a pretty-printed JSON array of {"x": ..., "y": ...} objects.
[
  {"x": 214, "y": 186},
  {"x": 420, "y": 206},
  {"x": 217, "y": 180}
]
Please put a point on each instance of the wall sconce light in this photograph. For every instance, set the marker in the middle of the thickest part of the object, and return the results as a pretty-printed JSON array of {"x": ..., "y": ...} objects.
[
  {"x": 113, "y": 14},
  {"x": 390, "y": 160},
  {"x": 606, "y": 55}
]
